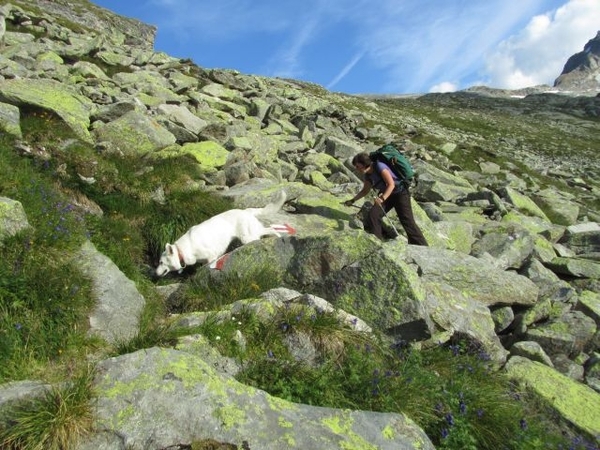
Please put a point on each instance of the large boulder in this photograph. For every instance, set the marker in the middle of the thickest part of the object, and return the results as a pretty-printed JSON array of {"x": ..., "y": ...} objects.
[
  {"x": 508, "y": 245},
  {"x": 478, "y": 278},
  {"x": 570, "y": 334},
  {"x": 576, "y": 402},
  {"x": 10, "y": 120},
  {"x": 523, "y": 203},
  {"x": 437, "y": 185},
  {"x": 454, "y": 312},
  {"x": 582, "y": 238},
  {"x": 119, "y": 305},
  {"x": 160, "y": 398},
  {"x": 135, "y": 133},
  {"x": 53, "y": 96},
  {"x": 575, "y": 267}
]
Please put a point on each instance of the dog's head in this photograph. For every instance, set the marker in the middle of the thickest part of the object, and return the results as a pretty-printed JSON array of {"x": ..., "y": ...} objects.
[{"x": 169, "y": 261}]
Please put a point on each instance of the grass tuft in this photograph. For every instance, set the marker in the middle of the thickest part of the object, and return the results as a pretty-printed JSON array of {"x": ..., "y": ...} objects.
[
  {"x": 56, "y": 420},
  {"x": 208, "y": 291}
]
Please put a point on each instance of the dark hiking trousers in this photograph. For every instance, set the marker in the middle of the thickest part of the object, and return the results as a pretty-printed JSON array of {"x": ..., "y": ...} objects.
[{"x": 401, "y": 203}]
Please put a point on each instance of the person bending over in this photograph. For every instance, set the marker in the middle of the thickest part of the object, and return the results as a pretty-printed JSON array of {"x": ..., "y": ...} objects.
[{"x": 393, "y": 193}]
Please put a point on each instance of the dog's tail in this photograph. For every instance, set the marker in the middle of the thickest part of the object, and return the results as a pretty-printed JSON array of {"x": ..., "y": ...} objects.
[{"x": 274, "y": 206}]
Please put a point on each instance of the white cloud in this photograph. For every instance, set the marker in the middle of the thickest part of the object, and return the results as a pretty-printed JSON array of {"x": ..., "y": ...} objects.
[
  {"x": 345, "y": 70},
  {"x": 539, "y": 52},
  {"x": 287, "y": 61},
  {"x": 445, "y": 86},
  {"x": 425, "y": 43}
]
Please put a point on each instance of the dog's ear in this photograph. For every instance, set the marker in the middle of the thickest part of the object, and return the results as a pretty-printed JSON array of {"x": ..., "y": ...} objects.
[{"x": 169, "y": 249}]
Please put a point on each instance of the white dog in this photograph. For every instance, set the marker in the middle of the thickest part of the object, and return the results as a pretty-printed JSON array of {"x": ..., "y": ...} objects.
[{"x": 209, "y": 240}]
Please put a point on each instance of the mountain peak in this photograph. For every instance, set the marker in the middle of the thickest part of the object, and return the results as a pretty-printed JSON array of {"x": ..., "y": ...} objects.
[{"x": 582, "y": 70}]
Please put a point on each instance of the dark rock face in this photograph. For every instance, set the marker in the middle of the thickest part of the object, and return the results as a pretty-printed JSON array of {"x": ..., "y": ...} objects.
[{"x": 582, "y": 70}]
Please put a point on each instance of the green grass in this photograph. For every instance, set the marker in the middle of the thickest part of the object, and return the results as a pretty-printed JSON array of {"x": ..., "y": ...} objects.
[
  {"x": 44, "y": 299},
  {"x": 44, "y": 303},
  {"x": 56, "y": 420},
  {"x": 209, "y": 291}
]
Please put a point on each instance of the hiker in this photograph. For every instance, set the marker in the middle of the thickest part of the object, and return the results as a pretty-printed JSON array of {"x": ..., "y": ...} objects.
[{"x": 393, "y": 193}]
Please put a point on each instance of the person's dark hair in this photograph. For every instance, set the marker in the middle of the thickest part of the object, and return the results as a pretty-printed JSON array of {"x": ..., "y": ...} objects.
[{"x": 362, "y": 158}]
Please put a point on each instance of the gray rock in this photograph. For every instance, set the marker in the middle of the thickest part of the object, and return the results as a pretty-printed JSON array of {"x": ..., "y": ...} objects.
[
  {"x": 509, "y": 245},
  {"x": 589, "y": 304},
  {"x": 574, "y": 401},
  {"x": 474, "y": 277},
  {"x": 10, "y": 120},
  {"x": 12, "y": 218},
  {"x": 583, "y": 237},
  {"x": 435, "y": 185},
  {"x": 119, "y": 304},
  {"x": 182, "y": 116},
  {"x": 60, "y": 98},
  {"x": 135, "y": 133},
  {"x": 454, "y": 312},
  {"x": 567, "y": 367},
  {"x": 558, "y": 206},
  {"x": 502, "y": 316},
  {"x": 16, "y": 392},
  {"x": 167, "y": 397},
  {"x": 575, "y": 267},
  {"x": 531, "y": 350},
  {"x": 570, "y": 334}
]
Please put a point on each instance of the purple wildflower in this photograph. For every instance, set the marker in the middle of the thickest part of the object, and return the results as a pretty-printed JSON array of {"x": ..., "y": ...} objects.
[{"x": 523, "y": 424}]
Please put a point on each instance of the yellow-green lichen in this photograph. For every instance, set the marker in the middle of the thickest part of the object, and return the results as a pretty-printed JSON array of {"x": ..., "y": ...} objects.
[
  {"x": 278, "y": 404},
  {"x": 290, "y": 440},
  {"x": 230, "y": 416},
  {"x": 209, "y": 154},
  {"x": 124, "y": 415},
  {"x": 389, "y": 432},
  {"x": 342, "y": 426},
  {"x": 576, "y": 402},
  {"x": 285, "y": 423},
  {"x": 71, "y": 107},
  {"x": 185, "y": 369}
]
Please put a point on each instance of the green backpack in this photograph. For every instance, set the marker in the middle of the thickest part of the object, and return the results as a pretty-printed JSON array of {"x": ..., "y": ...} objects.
[{"x": 395, "y": 160}]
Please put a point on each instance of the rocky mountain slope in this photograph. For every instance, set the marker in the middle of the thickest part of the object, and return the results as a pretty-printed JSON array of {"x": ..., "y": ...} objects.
[
  {"x": 582, "y": 70},
  {"x": 508, "y": 198}
]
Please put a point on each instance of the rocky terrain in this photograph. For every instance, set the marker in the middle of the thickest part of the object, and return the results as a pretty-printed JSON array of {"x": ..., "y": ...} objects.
[{"x": 508, "y": 196}]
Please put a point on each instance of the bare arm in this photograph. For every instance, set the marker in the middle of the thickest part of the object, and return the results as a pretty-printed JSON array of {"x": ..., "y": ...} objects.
[{"x": 364, "y": 191}]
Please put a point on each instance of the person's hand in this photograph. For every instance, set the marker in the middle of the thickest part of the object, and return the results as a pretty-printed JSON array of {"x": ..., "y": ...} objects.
[
  {"x": 378, "y": 201},
  {"x": 348, "y": 202}
]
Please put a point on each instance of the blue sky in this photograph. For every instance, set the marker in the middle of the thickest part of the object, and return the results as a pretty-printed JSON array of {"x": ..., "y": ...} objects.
[{"x": 375, "y": 46}]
